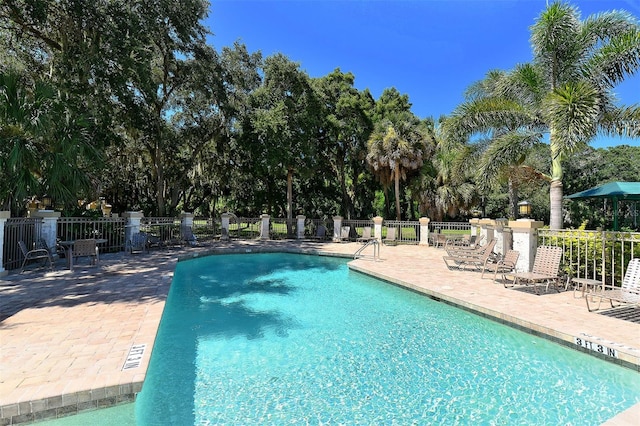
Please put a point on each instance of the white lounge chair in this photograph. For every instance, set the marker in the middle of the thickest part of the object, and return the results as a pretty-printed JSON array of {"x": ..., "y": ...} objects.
[
  {"x": 366, "y": 235},
  {"x": 390, "y": 239},
  {"x": 344, "y": 234},
  {"x": 628, "y": 292}
]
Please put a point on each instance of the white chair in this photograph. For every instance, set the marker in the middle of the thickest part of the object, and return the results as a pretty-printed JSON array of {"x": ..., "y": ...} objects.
[{"x": 628, "y": 292}]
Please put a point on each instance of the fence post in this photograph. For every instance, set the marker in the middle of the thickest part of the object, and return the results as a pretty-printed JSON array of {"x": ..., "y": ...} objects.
[
  {"x": 264, "y": 227},
  {"x": 49, "y": 231},
  {"x": 377, "y": 228},
  {"x": 424, "y": 231},
  {"x": 224, "y": 223},
  {"x": 300, "y": 226},
  {"x": 337, "y": 228},
  {"x": 132, "y": 226},
  {"x": 4, "y": 215},
  {"x": 525, "y": 241}
]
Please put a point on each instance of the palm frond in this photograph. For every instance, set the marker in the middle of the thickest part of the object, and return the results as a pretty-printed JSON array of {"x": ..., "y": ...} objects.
[
  {"x": 622, "y": 121},
  {"x": 573, "y": 113}
]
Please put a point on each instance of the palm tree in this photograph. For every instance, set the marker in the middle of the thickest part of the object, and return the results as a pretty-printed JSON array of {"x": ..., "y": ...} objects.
[
  {"x": 44, "y": 147},
  {"x": 397, "y": 148},
  {"x": 579, "y": 63},
  {"x": 567, "y": 89},
  {"x": 500, "y": 155}
]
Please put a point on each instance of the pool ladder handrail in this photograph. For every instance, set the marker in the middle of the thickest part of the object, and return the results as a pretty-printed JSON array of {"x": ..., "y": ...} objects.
[{"x": 376, "y": 249}]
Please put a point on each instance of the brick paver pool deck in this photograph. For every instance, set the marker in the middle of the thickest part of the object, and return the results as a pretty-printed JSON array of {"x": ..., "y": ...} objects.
[{"x": 65, "y": 336}]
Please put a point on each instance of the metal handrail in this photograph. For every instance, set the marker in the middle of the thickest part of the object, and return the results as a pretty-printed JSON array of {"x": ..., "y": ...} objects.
[{"x": 376, "y": 249}]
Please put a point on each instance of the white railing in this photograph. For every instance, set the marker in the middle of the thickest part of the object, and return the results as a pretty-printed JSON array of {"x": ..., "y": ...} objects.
[
  {"x": 407, "y": 232},
  {"x": 449, "y": 227},
  {"x": 598, "y": 255},
  {"x": 356, "y": 227}
]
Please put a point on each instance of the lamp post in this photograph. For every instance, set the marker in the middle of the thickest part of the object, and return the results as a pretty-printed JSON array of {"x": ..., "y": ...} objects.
[
  {"x": 106, "y": 209},
  {"x": 46, "y": 201},
  {"x": 524, "y": 209}
]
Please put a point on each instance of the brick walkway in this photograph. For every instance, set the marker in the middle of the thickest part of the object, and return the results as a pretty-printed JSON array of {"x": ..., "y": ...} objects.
[{"x": 66, "y": 336}]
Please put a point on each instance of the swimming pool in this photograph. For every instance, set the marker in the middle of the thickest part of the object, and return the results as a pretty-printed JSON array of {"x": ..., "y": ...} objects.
[{"x": 285, "y": 338}]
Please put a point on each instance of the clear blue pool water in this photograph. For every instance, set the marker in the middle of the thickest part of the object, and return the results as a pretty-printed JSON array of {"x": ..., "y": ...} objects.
[{"x": 279, "y": 339}]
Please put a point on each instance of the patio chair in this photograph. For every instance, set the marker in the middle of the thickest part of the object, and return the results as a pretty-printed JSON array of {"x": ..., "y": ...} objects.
[
  {"x": 139, "y": 243},
  {"x": 476, "y": 260},
  {"x": 35, "y": 254},
  {"x": 390, "y": 239},
  {"x": 85, "y": 248},
  {"x": 545, "y": 269},
  {"x": 439, "y": 240},
  {"x": 321, "y": 233},
  {"x": 366, "y": 235},
  {"x": 344, "y": 234},
  {"x": 628, "y": 292},
  {"x": 453, "y": 249},
  {"x": 504, "y": 265}
]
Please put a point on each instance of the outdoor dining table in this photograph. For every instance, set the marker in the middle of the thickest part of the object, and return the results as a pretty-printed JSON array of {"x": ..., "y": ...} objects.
[{"x": 68, "y": 244}]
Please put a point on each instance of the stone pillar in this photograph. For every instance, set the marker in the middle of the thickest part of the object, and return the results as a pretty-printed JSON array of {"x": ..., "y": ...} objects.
[
  {"x": 337, "y": 228},
  {"x": 502, "y": 235},
  {"x": 264, "y": 227},
  {"x": 224, "y": 232},
  {"x": 486, "y": 230},
  {"x": 132, "y": 226},
  {"x": 424, "y": 231},
  {"x": 525, "y": 241},
  {"x": 377, "y": 228},
  {"x": 4, "y": 215},
  {"x": 186, "y": 220},
  {"x": 300, "y": 226},
  {"x": 49, "y": 231},
  {"x": 475, "y": 227}
]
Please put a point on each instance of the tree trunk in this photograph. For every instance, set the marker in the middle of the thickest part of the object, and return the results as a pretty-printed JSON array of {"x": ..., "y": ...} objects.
[
  {"x": 159, "y": 179},
  {"x": 555, "y": 191},
  {"x": 290, "y": 201},
  {"x": 397, "y": 190},
  {"x": 513, "y": 200}
]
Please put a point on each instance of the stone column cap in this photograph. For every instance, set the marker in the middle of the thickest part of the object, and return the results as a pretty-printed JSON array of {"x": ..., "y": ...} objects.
[
  {"x": 45, "y": 214},
  {"x": 378, "y": 220},
  {"x": 525, "y": 224},
  {"x": 424, "y": 220},
  {"x": 133, "y": 215},
  {"x": 5, "y": 214},
  {"x": 186, "y": 214},
  {"x": 301, "y": 216}
]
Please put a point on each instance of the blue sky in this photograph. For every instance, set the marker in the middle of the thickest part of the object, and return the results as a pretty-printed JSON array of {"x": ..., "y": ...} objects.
[{"x": 432, "y": 50}]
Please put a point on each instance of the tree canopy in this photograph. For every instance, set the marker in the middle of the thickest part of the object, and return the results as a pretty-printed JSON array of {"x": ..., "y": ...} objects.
[{"x": 126, "y": 100}]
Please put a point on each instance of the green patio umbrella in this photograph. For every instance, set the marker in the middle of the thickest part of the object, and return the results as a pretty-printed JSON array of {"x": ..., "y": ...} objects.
[{"x": 614, "y": 191}]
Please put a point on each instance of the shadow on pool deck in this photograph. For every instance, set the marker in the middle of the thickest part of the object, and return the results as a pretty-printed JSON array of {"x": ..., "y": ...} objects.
[{"x": 65, "y": 336}]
